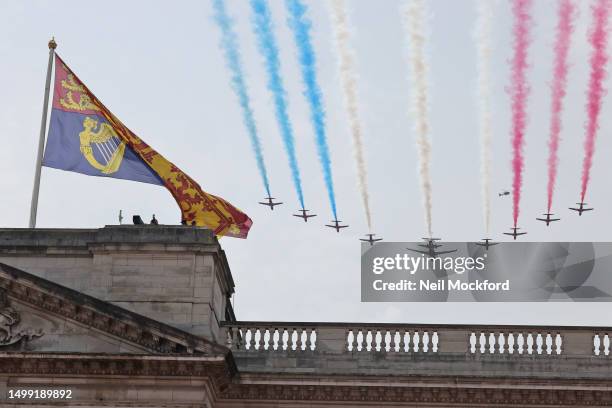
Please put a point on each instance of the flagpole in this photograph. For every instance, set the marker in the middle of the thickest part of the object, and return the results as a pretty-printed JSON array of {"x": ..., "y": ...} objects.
[{"x": 41, "y": 140}]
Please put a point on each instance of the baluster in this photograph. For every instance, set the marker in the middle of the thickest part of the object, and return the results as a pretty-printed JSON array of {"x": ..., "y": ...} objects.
[
  {"x": 491, "y": 344},
  {"x": 348, "y": 342},
  {"x": 558, "y": 343},
  {"x": 548, "y": 343},
  {"x": 265, "y": 338},
  {"x": 410, "y": 341},
  {"x": 383, "y": 341},
  {"x": 426, "y": 342},
  {"x": 309, "y": 339},
  {"x": 435, "y": 341},
  {"x": 508, "y": 347},
  {"x": 418, "y": 341},
  {"x": 260, "y": 338},
  {"x": 276, "y": 340},
  {"x": 480, "y": 345},
  {"x": 251, "y": 338},
  {"x": 495, "y": 345},
  {"x": 291, "y": 343},
  {"x": 354, "y": 344},
  {"x": 530, "y": 342},
  {"x": 363, "y": 343},
  {"x": 539, "y": 343},
  {"x": 472, "y": 343},
  {"x": 503, "y": 342},
  {"x": 485, "y": 342},
  {"x": 596, "y": 344},
  {"x": 394, "y": 344},
  {"x": 300, "y": 342},
  {"x": 606, "y": 344},
  {"x": 402, "y": 342}
]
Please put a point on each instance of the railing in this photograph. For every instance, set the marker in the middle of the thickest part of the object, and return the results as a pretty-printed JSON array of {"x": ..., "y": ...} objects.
[{"x": 269, "y": 337}]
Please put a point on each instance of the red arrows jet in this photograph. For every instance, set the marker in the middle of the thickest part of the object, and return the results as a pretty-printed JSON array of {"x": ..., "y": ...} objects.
[
  {"x": 487, "y": 243},
  {"x": 431, "y": 248},
  {"x": 336, "y": 225},
  {"x": 304, "y": 216},
  {"x": 548, "y": 220},
  {"x": 581, "y": 209},
  {"x": 514, "y": 233},
  {"x": 370, "y": 238},
  {"x": 270, "y": 203}
]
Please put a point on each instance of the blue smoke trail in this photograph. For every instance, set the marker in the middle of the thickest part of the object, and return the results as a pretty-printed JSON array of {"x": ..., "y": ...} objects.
[
  {"x": 229, "y": 44},
  {"x": 300, "y": 25},
  {"x": 262, "y": 21}
]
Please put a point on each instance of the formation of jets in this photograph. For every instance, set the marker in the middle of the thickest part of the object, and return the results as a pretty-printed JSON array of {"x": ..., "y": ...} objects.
[{"x": 431, "y": 245}]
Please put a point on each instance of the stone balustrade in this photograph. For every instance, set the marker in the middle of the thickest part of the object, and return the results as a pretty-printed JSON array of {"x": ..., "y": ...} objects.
[{"x": 270, "y": 337}]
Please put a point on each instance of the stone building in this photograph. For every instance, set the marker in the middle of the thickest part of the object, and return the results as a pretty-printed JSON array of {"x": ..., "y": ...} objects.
[{"x": 139, "y": 316}]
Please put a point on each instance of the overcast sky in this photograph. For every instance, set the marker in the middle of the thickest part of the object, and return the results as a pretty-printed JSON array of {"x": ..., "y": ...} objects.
[{"x": 158, "y": 67}]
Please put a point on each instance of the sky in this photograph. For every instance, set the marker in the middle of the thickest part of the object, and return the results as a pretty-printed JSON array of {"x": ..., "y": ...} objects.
[{"x": 157, "y": 65}]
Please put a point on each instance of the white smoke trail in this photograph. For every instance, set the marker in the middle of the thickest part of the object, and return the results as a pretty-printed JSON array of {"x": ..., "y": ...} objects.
[
  {"x": 349, "y": 89},
  {"x": 483, "y": 44},
  {"x": 414, "y": 22}
]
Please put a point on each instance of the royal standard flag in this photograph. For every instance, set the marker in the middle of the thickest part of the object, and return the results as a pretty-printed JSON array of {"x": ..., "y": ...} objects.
[{"x": 85, "y": 137}]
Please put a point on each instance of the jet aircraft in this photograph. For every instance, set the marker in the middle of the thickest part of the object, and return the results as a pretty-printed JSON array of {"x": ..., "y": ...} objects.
[
  {"x": 370, "y": 238},
  {"x": 487, "y": 243},
  {"x": 514, "y": 232},
  {"x": 336, "y": 225},
  {"x": 548, "y": 220},
  {"x": 270, "y": 203},
  {"x": 304, "y": 216},
  {"x": 581, "y": 208}
]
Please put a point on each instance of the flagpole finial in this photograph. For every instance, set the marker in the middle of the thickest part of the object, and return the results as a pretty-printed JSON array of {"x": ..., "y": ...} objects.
[{"x": 52, "y": 44}]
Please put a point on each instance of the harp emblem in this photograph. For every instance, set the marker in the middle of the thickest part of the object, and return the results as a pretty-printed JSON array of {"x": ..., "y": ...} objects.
[{"x": 101, "y": 138}]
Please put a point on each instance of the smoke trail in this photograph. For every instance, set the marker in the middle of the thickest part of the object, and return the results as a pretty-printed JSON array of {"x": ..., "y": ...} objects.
[
  {"x": 598, "y": 37},
  {"x": 414, "y": 16},
  {"x": 483, "y": 40},
  {"x": 229, "y": 44},
  {"x": 519, "y": 91},
  {"x": 349, "y": 88},
  {"x": 262, "y": 21},
  {"x": 565, "y": 15},
  {"x": 300, "y": 25}
]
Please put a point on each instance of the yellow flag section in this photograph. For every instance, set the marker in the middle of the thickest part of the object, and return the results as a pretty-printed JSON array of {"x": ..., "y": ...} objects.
[{"x": 197, "y": 207}]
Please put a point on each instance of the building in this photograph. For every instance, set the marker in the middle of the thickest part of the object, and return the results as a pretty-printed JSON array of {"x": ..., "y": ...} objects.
[{"x": 139, "y": 316}]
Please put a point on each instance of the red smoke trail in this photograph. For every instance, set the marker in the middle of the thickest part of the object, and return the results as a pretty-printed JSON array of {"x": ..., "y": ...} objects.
[
  {"x": 559, "y": 83},
  {"x": 519, "y": 90},
  {"x": 598, "y": 38}
]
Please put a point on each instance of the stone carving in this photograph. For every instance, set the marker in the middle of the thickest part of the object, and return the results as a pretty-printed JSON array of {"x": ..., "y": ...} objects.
[{"x": 9, "y": 319}]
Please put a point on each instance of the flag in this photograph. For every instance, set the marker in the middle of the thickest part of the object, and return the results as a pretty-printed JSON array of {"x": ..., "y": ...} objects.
[{"x": 85, "y": 137}]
